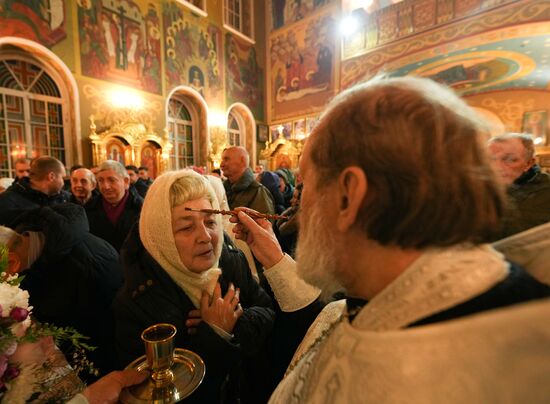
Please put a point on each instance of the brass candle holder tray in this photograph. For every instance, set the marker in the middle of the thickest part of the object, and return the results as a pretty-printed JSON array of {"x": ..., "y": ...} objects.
[{"x": 188, "y": 372}]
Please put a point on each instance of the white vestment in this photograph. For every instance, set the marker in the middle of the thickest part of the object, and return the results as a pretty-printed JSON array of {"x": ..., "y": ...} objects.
[{"x": 497, "y": 356}]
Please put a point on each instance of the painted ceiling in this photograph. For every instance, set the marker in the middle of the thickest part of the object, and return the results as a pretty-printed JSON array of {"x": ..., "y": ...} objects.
[{"x": 486, "y": 62}]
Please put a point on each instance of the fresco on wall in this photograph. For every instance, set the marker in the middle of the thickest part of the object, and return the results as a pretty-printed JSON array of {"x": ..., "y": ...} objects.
[
  {"x": 244, "y": 76},
  {"x": 488, "y": 66},
  {"x": 119, "y": 43},
  {"x": 302, "y": 67},
  {"x": 192, "y": 52},
  {"x": 390, "y": 20},
  {"x": 41, "y": 21},
  {"x": 481, "y": 34},
  {"x": 285, "y": 12}
]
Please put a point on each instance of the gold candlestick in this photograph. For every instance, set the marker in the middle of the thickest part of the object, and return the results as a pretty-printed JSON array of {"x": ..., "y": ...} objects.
[{"x": 175, "y": 373}]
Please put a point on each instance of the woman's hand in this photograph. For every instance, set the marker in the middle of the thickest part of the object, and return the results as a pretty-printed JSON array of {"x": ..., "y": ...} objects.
[
  {"x": 259, "y": 236},
  {"x": 221, "y": 312}
]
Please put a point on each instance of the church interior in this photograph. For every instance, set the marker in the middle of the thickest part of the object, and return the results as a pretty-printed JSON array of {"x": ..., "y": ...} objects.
[
  {"x": 170, "y": 84},
  {"x": 399, "y": 255}
]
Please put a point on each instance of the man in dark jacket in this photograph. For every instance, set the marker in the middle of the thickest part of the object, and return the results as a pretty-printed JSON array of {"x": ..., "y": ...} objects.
[
  {"x": 83, "y": 185},
  {"x": 144, "y": 175},
  {"x": 71, "y": 275},
  {"x": 22, "y": 168},
  {"x": 136, "y": 182},
  {"x": 528, "y": 188},
  {"x": 114, "y": 212},
  {"x": 42, "y": 188},
  {"x": 240, "y": 186}
]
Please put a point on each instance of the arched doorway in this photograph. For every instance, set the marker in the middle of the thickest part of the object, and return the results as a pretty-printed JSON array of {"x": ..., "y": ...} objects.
[
  {"x": 39, "y": 105},
  {"x": 186, "y": 127}
]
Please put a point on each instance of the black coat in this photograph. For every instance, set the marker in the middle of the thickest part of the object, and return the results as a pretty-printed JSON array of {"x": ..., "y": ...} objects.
[
  {"x": 20, "y": 197},
  {"x": 75, "y": 279},
  {"x": 141, "y": 187},
  {"x": 101, "y": 226},
  {"x": 149, "y": 296}
]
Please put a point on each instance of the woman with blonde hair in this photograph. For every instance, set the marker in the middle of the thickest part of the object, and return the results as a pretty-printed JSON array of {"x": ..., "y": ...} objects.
[{"x": 181, "y": 269}]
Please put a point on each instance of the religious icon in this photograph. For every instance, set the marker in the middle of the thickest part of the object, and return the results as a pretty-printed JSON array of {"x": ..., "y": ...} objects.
[
  {"x": 300, "y": 129},
  {"x": 148, "y": 153},
  {"x": 196, "y": 79},
  {"x": 273, "y": 133},
  {"x": 311, "y": 122},
  {"x": 536, "y": 123},
  {"x": 262, "y": 133},
  {"x": 115, "y": 151}
]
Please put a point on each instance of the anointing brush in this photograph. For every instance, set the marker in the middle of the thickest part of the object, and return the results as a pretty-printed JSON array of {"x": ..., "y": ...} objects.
[{"x": 250, "y": 213}]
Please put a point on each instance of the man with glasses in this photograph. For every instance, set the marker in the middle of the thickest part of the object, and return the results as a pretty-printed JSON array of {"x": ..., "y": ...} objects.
[{"x": 528, "y": 188}]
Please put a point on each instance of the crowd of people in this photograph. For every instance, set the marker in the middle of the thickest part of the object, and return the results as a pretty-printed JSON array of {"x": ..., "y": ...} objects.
[{"x": 387, "y": 280}]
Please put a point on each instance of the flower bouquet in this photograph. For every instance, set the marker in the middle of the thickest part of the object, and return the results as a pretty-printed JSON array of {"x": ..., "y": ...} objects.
[{"x": 32, "y": 368}]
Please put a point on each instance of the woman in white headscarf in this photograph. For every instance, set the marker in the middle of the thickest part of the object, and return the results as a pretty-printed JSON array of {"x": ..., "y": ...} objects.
[{"x": 180, "y": 268}]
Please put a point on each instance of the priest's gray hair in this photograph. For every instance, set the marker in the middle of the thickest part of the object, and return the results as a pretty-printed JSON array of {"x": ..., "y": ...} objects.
[{"x": 423, "y": 151}]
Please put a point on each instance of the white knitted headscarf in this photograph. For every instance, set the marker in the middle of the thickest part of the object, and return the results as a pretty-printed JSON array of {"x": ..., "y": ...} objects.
[{"x": 155, "y": 231}]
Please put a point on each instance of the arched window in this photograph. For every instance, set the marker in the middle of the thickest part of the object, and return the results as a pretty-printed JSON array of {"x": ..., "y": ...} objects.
[
  {"x": 31, "y": 114},
  {"x": 181, "y": 133},
  {"x": 233, "y": 130}
]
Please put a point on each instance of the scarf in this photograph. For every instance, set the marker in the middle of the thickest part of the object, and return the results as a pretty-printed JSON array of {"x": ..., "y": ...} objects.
[
  {"x": 155, "y": 231},
  {"x": 114, "y": 212}
]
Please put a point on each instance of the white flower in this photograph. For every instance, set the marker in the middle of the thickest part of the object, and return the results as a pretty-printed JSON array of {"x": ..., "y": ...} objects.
[{"x": 12, "y": 296}]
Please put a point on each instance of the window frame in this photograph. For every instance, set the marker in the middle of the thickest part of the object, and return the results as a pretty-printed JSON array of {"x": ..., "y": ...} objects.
[
  {"x": 27, "y": 97},
  {"x": 232, "y": 132},
  {"x": 194, "y": 127},
  {"x": 197, "y": 10},
  {"x": 249, "y": 38}
]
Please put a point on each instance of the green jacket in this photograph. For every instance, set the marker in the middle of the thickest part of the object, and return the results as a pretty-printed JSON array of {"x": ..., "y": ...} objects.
[
  {"x": 529, "y": 202},
  {"x": 249, "y": 193}
]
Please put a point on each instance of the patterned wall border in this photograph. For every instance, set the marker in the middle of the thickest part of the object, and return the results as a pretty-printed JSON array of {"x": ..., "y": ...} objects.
[{"x": 367, "y": 65}]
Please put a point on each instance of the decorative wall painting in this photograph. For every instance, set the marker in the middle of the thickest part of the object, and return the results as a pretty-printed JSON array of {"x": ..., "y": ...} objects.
[
  {"x": 273, "y": 133},
  {"x": 196, "y": 79},
  {"x": 39, "y": 21},
  {"x": 120, "y": 43},
  {"x": 302, "y": 62},
  {"x": 115, "y": 150},
  {"x": 244, "y": 80},
  {"x": 262, "y": 133},
  {"x": 311, "y": 122},
  {"x": 193, "y": 55},
  {"x": 285, "y": 12},
  {"x": 536, "y": 124},
  {"x": 149, "y": 158},
  {"x": 286, "y": 130},
  {"x": 299, "y": 129}
]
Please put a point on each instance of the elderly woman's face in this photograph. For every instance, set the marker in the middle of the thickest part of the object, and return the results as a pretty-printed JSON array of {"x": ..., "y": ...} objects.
[{"x": 196, "y": 235}]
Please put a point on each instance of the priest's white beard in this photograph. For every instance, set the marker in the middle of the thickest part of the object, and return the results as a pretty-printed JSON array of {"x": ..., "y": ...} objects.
[{"x": 315, "y": 252}]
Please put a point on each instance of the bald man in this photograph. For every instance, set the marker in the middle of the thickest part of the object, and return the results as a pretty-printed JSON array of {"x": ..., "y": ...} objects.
[
  {"x": 83, "y": 184},
  {"x": 240, "y": 186}
]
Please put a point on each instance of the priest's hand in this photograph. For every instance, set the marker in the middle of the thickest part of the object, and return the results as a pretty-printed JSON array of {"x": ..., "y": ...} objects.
[{"x": 258, "y": 234}]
